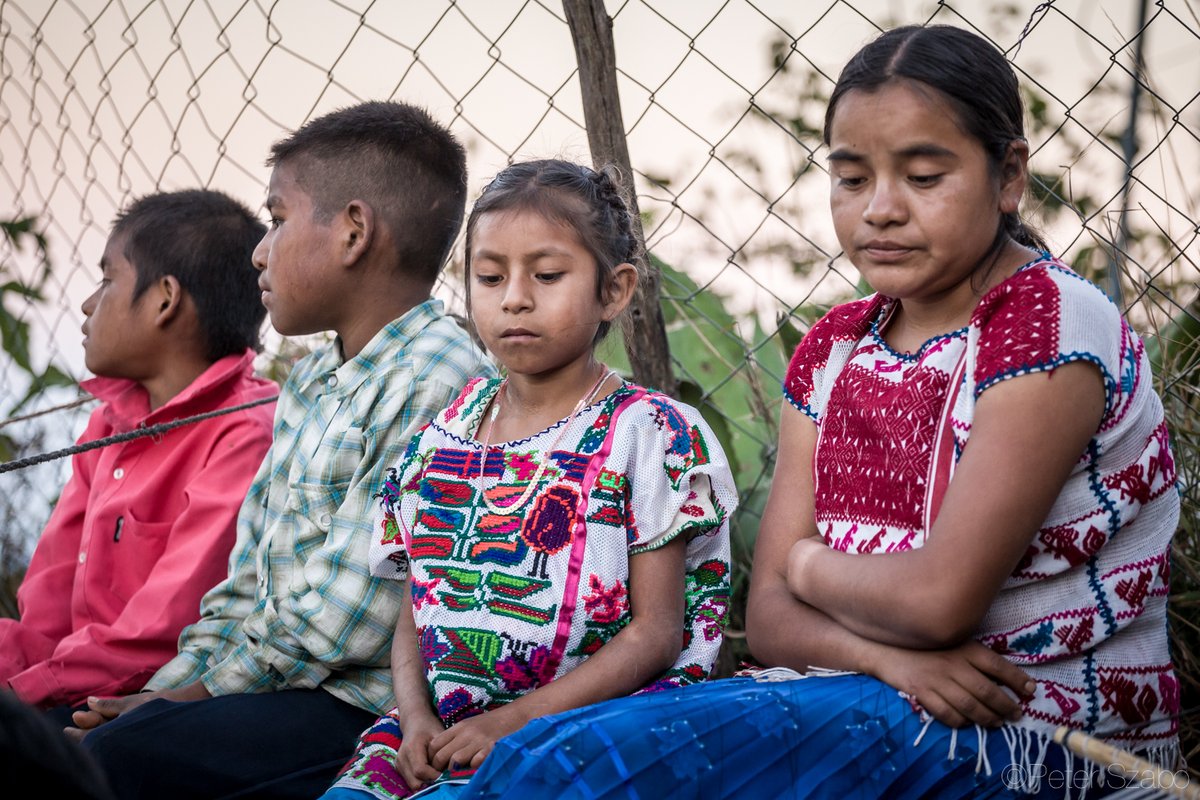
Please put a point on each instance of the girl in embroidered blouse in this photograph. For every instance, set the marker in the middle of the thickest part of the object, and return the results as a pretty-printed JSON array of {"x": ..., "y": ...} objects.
[
  {"x": 587, "y": 555},
  {"x": 973, "y": 499},
  {"x": 974, "y": 494}
]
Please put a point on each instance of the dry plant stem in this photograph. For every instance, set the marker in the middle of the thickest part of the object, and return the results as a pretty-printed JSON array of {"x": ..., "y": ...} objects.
[{"x": 1137, "y": 769}]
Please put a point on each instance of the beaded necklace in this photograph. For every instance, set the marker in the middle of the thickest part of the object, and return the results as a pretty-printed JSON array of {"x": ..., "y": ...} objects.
[{"x": 516, "y": 506}]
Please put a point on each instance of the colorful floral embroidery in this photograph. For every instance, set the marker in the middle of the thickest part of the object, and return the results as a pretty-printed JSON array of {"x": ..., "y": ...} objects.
[
  {"x": 509, "y": 598},
  {"x": 606, "y": 605}
]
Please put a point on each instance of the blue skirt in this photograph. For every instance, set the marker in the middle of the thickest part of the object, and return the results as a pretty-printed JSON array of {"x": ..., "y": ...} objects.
[{"x": 843, "y": 737}]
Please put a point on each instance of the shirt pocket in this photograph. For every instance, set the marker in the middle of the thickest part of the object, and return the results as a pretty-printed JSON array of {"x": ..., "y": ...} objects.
[
  {"x": 132, "y": 551},
  {"x": 314, "y": 506}
]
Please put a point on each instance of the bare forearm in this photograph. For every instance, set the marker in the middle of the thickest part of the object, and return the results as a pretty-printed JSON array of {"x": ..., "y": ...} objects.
[
  {"x": 894, "y": 599},
  {"x": 785, "y": 632},
  {"x": 633, "y": 658},
  {"x": 409, "y": 686}
]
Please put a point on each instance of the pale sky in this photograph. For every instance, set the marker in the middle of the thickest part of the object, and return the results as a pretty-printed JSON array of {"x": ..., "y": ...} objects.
[{"x": 102, "y": 101}]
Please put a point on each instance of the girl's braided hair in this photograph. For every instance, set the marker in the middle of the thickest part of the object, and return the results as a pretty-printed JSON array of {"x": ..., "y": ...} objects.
[{"x": 589, "y": 202}]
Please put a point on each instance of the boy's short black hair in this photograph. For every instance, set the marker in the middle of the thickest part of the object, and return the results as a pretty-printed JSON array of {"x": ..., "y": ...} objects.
[
  {"x": 205, "y": 239},
  {"x": 31, "y": 747},
  {"x": 396, "y": 158}
]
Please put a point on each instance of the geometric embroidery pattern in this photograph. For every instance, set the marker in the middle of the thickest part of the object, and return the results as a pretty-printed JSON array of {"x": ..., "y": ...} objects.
[
  {"x": 1084, "y": 611},
  {"x": 488, "y": 584}
]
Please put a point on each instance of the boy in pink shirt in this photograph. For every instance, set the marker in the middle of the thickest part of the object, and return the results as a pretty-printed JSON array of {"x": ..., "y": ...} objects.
[{"x": 143, "y": 528}]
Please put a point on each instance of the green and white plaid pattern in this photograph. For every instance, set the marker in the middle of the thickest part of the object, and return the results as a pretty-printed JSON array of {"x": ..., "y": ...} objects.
[{"x": 300, "y": 608}]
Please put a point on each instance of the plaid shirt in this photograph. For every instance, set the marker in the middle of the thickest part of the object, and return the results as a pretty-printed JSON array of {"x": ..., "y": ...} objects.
[{"x": 299, "y": 608}]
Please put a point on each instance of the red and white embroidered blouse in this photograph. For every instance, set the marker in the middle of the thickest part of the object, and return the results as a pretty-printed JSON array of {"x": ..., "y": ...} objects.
[{"x": 1085, "y": 611}]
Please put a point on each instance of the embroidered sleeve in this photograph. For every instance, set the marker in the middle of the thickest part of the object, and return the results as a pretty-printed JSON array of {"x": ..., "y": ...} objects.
[
  {"x": 679, "y": 481},
  {"x": 1047, "y": 316},
  {"x": 823, "y": 351}
]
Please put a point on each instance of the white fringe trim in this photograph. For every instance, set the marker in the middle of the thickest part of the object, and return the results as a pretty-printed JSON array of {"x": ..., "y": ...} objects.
[
  {"x": 1027, "y": 757},
  {"x": 1027, "y": 749},
  {"x": 775, "y": 674}
]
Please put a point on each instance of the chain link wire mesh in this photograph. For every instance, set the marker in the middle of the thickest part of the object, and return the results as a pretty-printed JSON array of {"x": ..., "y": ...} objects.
[{"x": 723, "y": 104}]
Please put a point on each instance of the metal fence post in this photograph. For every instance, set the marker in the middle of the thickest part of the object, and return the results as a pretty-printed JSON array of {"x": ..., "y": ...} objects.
[
  {"x": 1129, "y": 148},
  {"x": 644, "y": 330}
]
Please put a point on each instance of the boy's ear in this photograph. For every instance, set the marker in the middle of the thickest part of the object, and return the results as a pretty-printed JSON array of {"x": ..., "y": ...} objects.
[
  {"x": 1014, "y": 175},
  {"x": 356, "y": 231},
  {"x": 167, "y": 295},
  {"x": 622, "y": 283}
]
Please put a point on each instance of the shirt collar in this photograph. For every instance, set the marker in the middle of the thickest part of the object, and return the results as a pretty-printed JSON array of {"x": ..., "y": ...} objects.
[
  {"x": 341, "y": 377},
  {"x": 127, "y": 403}
]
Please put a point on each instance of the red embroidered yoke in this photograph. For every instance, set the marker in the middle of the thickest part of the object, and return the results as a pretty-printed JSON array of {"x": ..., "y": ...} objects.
[{"x": 1084, "y": 613}]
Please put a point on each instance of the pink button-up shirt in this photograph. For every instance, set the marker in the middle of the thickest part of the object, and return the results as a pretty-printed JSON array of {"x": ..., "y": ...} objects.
[{"x": 140, "y": 532}]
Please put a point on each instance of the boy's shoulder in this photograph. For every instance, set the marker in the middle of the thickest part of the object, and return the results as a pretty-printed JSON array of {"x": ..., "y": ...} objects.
[
  {"x": 229, "y": 381},
  {"x": 320, "y": 360},
  {"x": 423, "y": 342},
  {"x": 435, "y": 338}
]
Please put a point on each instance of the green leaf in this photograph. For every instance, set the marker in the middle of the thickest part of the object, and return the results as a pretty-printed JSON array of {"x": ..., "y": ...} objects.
[
  {"x": 1176, "y": 348},
  {"x": 16, "y": 287},
  {"x": 611, "y": 351},
  {"x": 708, "y": 351},
  {"x": 52, "y": 376},
  {"x": 17, "y": 229},
  {"x": 14, "y": 338},
  {"x": 789, "y": 335}
]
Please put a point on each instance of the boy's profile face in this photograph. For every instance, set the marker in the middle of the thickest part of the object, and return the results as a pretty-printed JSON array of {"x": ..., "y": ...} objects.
[
  {"x": 117, "y": 330},
  {"x": 298, "y": 260}
]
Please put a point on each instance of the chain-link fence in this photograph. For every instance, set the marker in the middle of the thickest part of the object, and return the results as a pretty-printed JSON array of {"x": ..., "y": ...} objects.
[{"x": 722, "y": 102}]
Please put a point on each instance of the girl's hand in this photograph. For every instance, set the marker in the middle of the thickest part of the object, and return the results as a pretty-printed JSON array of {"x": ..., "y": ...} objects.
[
  {"x": 413, "y": 759},
  {"x": 960, "y": 686},
  {"x": 467, "y": 743}
]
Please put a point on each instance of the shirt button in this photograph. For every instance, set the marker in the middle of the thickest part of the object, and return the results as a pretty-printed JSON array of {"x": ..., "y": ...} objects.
[
  {"x": 82, "y": 557},
  {"x": 324, "y": 519},
  {"x": 118, "y": 473},
  {"x": 331, "y": 381}
]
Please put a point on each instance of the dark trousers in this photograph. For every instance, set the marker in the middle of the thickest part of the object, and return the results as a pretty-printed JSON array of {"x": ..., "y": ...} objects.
[{"x": 275, "y": 745}]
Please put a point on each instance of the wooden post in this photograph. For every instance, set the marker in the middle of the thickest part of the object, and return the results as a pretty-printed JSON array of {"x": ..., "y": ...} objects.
[{"x": 644, "y": 330}]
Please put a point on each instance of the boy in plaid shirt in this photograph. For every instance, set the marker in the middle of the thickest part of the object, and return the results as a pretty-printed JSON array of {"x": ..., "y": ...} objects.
[{"x": 365, "y": 205}]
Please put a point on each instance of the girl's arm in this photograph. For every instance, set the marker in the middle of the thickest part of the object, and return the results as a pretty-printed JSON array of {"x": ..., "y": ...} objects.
[
  {"x": 418, "y": 722},
  {"x": 644, "y": 649},
  {"x": 780, "y": 629},
  {"x": 957, "y": 686},
  {"x": 1028, "y": 434}
]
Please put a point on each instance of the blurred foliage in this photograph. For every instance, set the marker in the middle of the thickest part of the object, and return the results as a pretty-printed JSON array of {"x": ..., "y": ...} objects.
[
  {"x": 14, "y": 328},
  {"x": 1175, "y": 357},
  {"x": 15, "y": 342}
]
